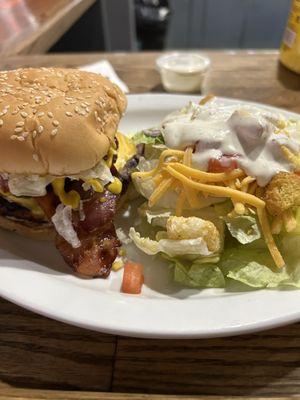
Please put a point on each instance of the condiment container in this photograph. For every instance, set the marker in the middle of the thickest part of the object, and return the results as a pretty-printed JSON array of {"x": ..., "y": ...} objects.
[
  {"x": 183, "y": 72},
  {"x": 290, "y": 46}
]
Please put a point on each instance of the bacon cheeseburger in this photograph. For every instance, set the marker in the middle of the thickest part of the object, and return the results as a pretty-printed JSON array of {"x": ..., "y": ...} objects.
[{"x": 63, "y": 166}]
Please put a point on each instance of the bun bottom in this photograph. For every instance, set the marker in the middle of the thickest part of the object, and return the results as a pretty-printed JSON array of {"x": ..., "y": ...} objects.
[{"x": 30, "y": 229}]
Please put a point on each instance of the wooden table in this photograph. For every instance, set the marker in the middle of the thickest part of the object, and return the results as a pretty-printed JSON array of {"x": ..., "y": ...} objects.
[
  {"x": 38, "y": 353},
  {"x": 33, "y": 26}
]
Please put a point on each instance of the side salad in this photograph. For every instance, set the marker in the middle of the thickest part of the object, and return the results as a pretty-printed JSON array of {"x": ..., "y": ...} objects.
[{"x": 222, "y": 196}]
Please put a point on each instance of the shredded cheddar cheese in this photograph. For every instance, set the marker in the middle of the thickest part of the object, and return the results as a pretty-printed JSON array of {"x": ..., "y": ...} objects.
[
  {"x": 174, "y": 169},
  {"x": 162, "y": 188},
  {"x": 293, "y": 158},
  {"x": 264, "y": 223},
  {"x": 180, "y": 204},
  {"x": 218, "y": 191},
  {"x": 206, "y": 176}
]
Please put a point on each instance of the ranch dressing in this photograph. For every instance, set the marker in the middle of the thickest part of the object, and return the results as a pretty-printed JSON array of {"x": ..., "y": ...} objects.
[
  {"x": 247, "y": 134},
  {"x": 183, "y": 72}
]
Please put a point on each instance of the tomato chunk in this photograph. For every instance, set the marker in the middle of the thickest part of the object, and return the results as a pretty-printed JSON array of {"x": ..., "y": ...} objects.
[
  {"x": 133, "y": 278},
  {"x": 222, "y": 164}
]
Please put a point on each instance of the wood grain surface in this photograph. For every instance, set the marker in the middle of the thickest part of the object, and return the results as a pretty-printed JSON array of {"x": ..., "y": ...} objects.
[
  {"x": 17, "y": 394},
  {"x": 33, "y": 26},
  {"x": 37, "y": 353}
]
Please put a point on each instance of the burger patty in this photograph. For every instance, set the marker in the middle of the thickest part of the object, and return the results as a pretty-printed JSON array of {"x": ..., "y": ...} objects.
[{"x": 14, "y": 210}]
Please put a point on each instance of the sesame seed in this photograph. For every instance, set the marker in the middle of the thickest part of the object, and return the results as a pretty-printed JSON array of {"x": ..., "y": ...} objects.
[
  {"x": 83, "y": 105},
  {"x": 25, "y": 134},
  {"x": 55, "y": 122},
  {"x": 1, "y": 122},
  {"x": 50, "y": 114},
  {"x": 34, "y": 111},
  {"x": 54, "y": 132},
  {"x": 21, "y": 123},
  {"x": 98, "y": 119},
  {"x": 87, "y": 110},
  {"x": 13, "y": 137},
  {"x": 40, "y": 129},
  {"x": 76, "y": 109},
  {"x": 24, "y": 114},
  {"x": 18, "y": 130},
  {"x": 35, "y": 157},
  {"x": 69, "y": 114},
  {"x": 40, "y": 114},
  {"x": 20, "y": 138}
]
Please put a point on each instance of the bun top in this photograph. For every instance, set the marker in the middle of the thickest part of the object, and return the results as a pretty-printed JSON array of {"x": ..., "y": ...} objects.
[{"x": 56, "y": 121}]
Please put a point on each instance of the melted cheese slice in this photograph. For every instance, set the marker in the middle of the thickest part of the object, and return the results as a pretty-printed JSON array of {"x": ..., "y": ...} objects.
[
  {"x": 126, "y": 150},
  {"x": 27, "y": 202}
]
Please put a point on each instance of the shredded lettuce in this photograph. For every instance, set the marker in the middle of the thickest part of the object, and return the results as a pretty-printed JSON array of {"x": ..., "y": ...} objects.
[
  {"x": 253, "y": 266},
  {"x": 243, "y": 227},
  {"x": 170, "y": 247},
  {"x": 197, "y": 275},
  {"x": 158, "y": 217},
  {"x": 249, "y": 264},
  {"x": 148, "y": 136}
]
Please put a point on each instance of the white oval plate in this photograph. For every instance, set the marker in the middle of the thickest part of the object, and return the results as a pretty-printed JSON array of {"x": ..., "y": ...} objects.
[{"x": 33, "y": 275}]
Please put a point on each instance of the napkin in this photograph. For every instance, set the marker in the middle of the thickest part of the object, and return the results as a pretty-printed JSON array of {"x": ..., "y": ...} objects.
[{"x": 106, "y": 69}]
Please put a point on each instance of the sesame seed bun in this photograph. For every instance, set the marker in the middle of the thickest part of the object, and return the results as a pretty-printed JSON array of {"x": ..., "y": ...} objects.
[
  {"x": 33, "y": 230},
  {"x": 56, "y": 121}
]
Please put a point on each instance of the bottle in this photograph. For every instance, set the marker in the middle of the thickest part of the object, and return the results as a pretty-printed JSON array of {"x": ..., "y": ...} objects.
[{"x": 290, "y": 46}]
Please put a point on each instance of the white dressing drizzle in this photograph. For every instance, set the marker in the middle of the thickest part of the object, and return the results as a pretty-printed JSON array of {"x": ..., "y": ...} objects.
[{"x": 247, "y": 134}]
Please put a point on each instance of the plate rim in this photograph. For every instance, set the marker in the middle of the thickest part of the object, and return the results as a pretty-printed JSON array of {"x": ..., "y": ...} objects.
[{"x": 112, "y": 328}]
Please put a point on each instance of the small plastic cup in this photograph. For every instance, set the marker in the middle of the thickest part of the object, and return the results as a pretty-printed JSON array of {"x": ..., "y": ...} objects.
[{"x": 183, "y": 72}]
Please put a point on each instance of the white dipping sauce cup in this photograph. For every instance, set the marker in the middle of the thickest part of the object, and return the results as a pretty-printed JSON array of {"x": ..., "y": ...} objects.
[{"x": 183, "y": 72}]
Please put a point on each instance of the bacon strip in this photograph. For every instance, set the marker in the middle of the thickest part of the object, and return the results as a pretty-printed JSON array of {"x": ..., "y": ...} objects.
[
  {"x": 95, "y": 255},
  {"x": 48, "y": 203},
  {"x": 99, "y": 243}
]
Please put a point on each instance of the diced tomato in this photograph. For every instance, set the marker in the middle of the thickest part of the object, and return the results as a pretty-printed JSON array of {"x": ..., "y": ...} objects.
[
  {"x": 133, "y": 278},
  {"x": 222, "y": 164}
]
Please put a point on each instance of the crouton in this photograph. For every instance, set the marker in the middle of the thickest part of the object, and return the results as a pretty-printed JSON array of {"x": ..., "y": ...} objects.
[
  {"x": 282, "y": 193},
  {"x": 179, "y": 228}
]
